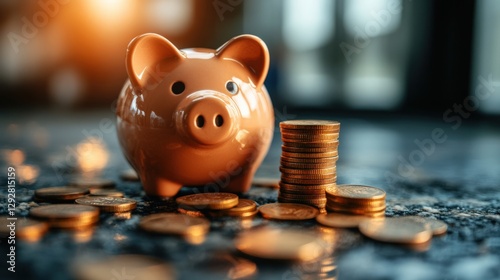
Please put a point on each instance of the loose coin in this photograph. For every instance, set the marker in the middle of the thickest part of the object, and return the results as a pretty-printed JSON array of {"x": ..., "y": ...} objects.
[
  {"x": 340, "y": 220},
  {"x": 280, "y": 244},
  {"x": 213, "y": 201},
  {"x": 60, "y": 194},
  {"x": 311, "y": 124},
  {"x": 106, "y": 192},
  {"x": 129, "y": 175},
  {"x": 288, "y": 211},
  {"x": 176, "y": 224},
  {"x": 92, "y": 183},
  {"x": 356, "y": 192},
  {"x": 438, "y": 227},
  {"x": 396, "y": 230},
  {"x": 67, "y": 215},
  {"x": 25, "y": 228},
  {"x": 362, "y": 208},
  {"x": 124, "y": 267},
  {"x": 108, "y": 203},
  {"x": 192, "y": 213},
  {"x": 266, "y": 182},
  {"x": 222, "y": 265}
]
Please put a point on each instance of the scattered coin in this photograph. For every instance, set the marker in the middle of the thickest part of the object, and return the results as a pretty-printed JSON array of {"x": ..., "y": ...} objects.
[
  {"x": 288, "y": 211},
  {"x": 212, "y": 201},
  {"x": 279, "y": 244},
  {"x": 356, "y": 192},
  {"x": 340, "y": 220},
  {"x": 129, "y": 175},
  {"x": 25, "y": 228},
  {"x": 60, "y": 194},
  {"x": 92, "y": 183},
  {"x": 176, "y": 224},
  {"x": 266, "y": 182},
  {"x": 192, "y": 213},
  {"x": 106, "y": 192},
  {"x": 124, "y": 267},
  {"x": 396, "y": 230},
  {"x": 108, "y": 203},
  {"x": 438, "y": 227},
  {"x": 245, "y": 208},
  {"x": 66, "y": 215}
]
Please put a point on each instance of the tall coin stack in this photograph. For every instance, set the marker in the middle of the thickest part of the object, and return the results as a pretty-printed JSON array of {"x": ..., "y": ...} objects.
[{"x": 308, "y": 161}]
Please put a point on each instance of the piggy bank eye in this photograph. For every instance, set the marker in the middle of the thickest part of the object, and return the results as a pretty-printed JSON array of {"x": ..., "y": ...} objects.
[
  {"x": 232, "y": 87},
  {"x": 178, "y": 87}
]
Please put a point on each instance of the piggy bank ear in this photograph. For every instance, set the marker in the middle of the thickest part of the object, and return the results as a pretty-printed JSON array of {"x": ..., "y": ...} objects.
[
  {"x": 143, "y": 55},
  {"x": 251, "y": 52}
]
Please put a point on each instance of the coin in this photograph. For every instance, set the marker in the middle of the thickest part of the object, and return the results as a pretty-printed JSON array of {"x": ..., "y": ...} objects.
[
  {"x": 299, "y": 165},
  {"x": 108, "y": 203},
  {"x": 438, "y": 227},
  {"x": 375, "y": 206},
  {"x": 213, "y": 201},
  {"x": 222, "y": 265},
  {"x": 288, "y": 187},
  {"x": 306, "y": 150},
  {"x": 106, "y": 192},
  {"x": 307, "y": 181},
  {"x": 313, "y": 138},
  {"x": 92, "y": 183},
  {"x": 192, "y": 213},
  {"x": 123, "y": 267},
  {"x": 129, "y": 175},
  {"x": 311, "y": 124},
  {"x": 356, "y": 192},
  {"x": 318, "y": 203},
  {"x": 288, "y": 211},
  {"x": 266, "y": 182},
  {"x": 245, "y": 208},
  {"x": 310, "y": 155},
  {"x": 308, "y": 176},
  {"x": 66, "y": 215},
  {"x": 327, "y": 160},
  {"x": 396, "y": 230},
  {"x": 318, "y": 171},
  {"x": 333, "y": 144},
  {"x": 304, "y": 191},
  {"x": 340, "y": 220},
  {"x": 176, "y": 224},
  {"x": 25, "y": 228},
  {"x": 60, "y": 194},
  {"x": 279, "y": 244},
  {"x": 302, "y": 196}
]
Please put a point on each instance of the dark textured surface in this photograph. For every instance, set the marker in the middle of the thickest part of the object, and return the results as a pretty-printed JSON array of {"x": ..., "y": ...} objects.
[{"x": 457, "y": 182}]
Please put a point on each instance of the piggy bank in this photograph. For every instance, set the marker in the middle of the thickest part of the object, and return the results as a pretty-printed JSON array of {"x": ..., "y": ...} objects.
[{"x": 195, "y": 117}]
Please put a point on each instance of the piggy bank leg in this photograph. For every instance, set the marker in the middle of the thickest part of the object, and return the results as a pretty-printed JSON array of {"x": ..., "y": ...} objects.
[
  {"x": 155, "y": 186},
  {"x": 240, "y": 183}
]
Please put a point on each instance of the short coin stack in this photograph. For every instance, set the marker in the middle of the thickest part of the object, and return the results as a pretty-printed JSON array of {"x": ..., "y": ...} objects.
[
  {"x": 356, "y": 200},
  {"x": 308, "y": 161}
]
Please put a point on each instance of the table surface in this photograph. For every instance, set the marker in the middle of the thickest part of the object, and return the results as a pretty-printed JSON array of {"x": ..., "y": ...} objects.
[{"x": 454, "y": 178}]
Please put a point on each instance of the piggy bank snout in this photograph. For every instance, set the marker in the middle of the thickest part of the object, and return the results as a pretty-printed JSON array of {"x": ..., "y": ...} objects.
[{"x": 209, "y": 119}]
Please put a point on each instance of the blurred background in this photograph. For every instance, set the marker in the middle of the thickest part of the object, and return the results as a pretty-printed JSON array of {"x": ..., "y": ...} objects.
[{"x": 343, "y": 55}]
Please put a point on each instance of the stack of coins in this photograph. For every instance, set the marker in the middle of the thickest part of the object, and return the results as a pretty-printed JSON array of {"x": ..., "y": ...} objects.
[
  {"x": 356, "y": 200},
  {"x": 308, "y": 161}
]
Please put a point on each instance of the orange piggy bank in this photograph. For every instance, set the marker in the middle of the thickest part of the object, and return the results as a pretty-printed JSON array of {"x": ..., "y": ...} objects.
[{"x": 195, "y": 117}]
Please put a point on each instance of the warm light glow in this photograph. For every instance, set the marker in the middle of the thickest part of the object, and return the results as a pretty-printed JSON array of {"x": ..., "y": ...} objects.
[
  {"x": 27, "y": 174},
  {"x": 14, "y": 157},
  {"x": 110, "y": 11},
  {"x": 92, "y": 155}
]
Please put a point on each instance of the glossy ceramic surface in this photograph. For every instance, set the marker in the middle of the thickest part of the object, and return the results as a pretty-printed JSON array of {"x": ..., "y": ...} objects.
[{"x": 195, "y": 117}]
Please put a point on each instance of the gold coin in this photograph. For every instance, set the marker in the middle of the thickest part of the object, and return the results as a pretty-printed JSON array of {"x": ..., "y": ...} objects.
[
  {"x": 322, "y": 171},
  {"x": 354, "y": 210},
  {"x": 108, "y": 203},
  {"x": 338, "y": 220},
  {"x": 310, "y": 155},
  {"x": 176, "y": 224},
  {"x": 327, "y": 160},
  {"x": 61, "y": 194},
  {"x": 318, "y": 203},
  {"x": 377, "y": 214},
  {"x": 299, "y": 165},
  {"x": 123, "y": 267},
  {"x": 213, "y": 201},
  {"x": 67, "y": 215},
  {"x": 245, "y": 207},
  {"x": 129, "y": 175},
  {"x": 266, "y": 182},
  {"x": 24, "y": 228},
  {"x": 438, "y": 227},
  {"x": 373, "y": 206},
  {"x": 356, "y": 192},
  {"x": 222, "y": 265},
  {"x": 396, "y": 230},
  {"x": 307, "y": 149},
  {"x": 333, "y": 144},
  {"x": 308, "y": 176},
  {"x": 307, "y": 181},
  {"x": 302, "y": 196},
  {"x": 92, "y": 183},
  {"x": 280, "y": 244},
  {"x": 303, "y": 191},
  {"x": 288, "y": 211},
  {"x": 192, "y": 213},
  {"x": 106, "y": 192},
  {"x": 311, "y": 124},
  {"x": 319, "y": 187}
]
